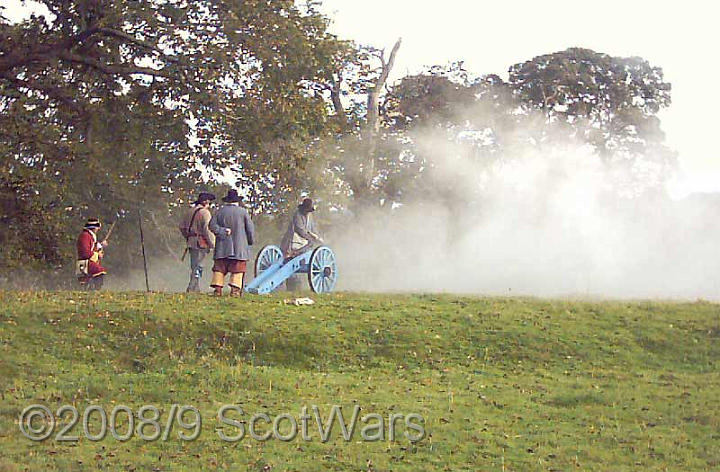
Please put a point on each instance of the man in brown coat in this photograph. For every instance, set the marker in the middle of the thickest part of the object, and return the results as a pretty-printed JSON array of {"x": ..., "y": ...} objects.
[{"x": 199, "y": 239}]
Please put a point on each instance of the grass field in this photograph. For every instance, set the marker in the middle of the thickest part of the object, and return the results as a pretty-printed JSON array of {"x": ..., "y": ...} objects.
[{"x": 502, "y": 384}]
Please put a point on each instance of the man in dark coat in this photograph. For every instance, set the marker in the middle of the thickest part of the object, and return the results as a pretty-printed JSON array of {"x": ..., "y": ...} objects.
[
  {"x": 195, "y": 228},
  {"x": 235, "y": 234}
]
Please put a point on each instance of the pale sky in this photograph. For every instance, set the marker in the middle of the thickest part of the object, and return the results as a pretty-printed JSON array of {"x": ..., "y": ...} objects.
[
  {"x": 679, "y": 36},
  {"x": 490, "y": 36}
]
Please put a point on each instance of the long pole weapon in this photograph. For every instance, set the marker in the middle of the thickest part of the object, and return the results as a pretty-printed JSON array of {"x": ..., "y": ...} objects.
[
  {"x": 142, "y": 243},
  {"x": 112, "y": 227}
]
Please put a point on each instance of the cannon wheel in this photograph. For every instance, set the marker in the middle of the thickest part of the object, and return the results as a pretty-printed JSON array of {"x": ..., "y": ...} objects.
[
  {"x": 322, "y": 273},
  {"x": 267, "y": 256}
]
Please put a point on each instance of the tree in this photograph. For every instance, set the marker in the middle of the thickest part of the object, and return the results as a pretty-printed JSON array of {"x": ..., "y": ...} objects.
[
  {"x": 453, "y": 128},
  {"x": 572, "y": 96},
  {"x": 84, "y": 125},
  {"x": 609, "y": 102},
  {"x": 123, "y": 104},
  {"x": 276, "y": 107},
  {"x": 361, "y": 157}
]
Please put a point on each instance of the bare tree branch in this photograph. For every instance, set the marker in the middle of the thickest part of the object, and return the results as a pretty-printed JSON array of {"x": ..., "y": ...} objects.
[
  {"x": 335, "y": 91},
  {"x": 132, "y": 39},
  {"x": 63, "y": 49},
  {"x": 373, "y": 122},
  {"x": 54, "y": 93},
  {"x": 112, "y": 69}
]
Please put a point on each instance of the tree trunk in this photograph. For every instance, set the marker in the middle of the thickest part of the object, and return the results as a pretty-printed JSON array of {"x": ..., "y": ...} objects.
[{"x": 362, "y": 193}]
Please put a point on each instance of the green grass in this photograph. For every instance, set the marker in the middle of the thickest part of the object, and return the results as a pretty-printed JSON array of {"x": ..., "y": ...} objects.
[{"x": 503, "y": 384}]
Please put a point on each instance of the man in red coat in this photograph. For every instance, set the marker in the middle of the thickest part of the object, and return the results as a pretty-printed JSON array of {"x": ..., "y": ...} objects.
[{"x": 90, "y": 252}]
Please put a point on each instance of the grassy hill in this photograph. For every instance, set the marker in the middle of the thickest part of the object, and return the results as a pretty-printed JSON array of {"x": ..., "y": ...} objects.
[{"x": 502, "y": 384}]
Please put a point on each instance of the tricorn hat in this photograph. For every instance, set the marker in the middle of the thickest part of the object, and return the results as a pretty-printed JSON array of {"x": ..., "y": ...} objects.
[
  {"x": 92, "y": 223},
  {"x": 204, "y": 196},
  {"x": 232, "y": 196},
  {"x": 307, "y": 205}
]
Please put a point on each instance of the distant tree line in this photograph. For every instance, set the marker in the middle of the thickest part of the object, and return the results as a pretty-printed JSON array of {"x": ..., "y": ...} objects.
[{"x": 110, "y": 108}]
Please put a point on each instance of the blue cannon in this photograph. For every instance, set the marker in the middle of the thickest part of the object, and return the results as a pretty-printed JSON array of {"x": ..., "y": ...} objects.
[{"x": 272, "y": 269}]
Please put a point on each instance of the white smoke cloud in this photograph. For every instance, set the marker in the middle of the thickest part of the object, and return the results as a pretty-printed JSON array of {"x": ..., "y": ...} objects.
[{"x": 547, "y": 223}]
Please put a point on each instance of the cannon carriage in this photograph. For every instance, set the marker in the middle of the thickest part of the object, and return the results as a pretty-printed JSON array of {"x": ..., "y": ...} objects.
[{"x": 272, "y": 269}]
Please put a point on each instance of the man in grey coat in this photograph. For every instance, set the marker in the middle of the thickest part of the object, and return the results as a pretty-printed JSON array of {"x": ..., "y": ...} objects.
[
  {"x": 235, "y": 234},
  {"x": 301, "y": 234}
]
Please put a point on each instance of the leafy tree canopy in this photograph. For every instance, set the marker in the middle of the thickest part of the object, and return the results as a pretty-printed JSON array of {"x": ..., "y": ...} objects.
[{"x": 123, "y": 103}]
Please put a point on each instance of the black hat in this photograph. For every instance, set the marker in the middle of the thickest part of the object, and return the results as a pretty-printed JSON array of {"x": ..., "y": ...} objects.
[
  {"x": 232, "y": 196},
  {"x": 92, "y": 223},
  {"x": 204, "y": 196},
  {"x": 307, "y": 205}
]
